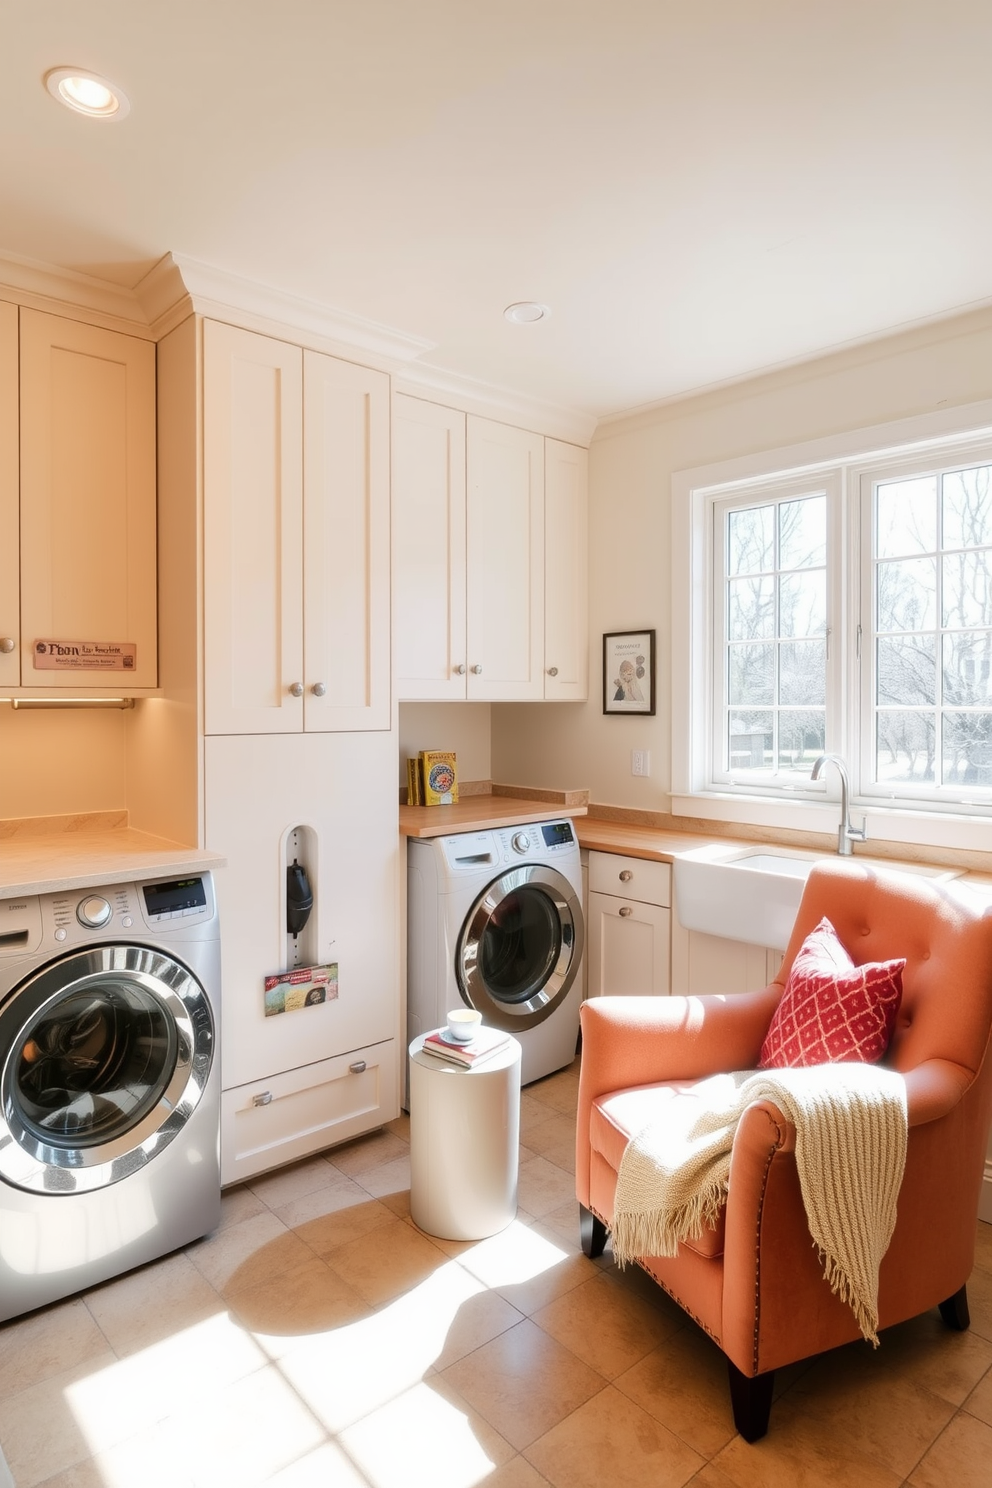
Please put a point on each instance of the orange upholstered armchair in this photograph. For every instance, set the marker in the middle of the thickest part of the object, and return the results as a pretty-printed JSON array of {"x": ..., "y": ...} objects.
[{"x": 755, "y": 1282}]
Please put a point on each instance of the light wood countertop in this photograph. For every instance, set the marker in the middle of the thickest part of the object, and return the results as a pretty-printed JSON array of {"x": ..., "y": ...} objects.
[
  {"x": 654, "y": 843},
  {"x": 477, "y": 813},
  {"x": 85, "y": 855}
]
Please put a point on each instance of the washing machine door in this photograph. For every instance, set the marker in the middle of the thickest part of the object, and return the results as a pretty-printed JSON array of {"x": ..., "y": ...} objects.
[
  {"x": 106, "y": 1054},
  {"x": 520, "y": 946}
]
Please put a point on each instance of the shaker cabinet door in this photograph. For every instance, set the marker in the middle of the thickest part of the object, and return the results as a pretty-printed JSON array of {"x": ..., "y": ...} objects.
[
  {"x": 505, "y": 562},
  {"x": 10, "y": 555},
  {"x": 346, "y": 642},
  {"x": 253, "y": 532},
  {"x": 566, "y": 641},
  {"x": 87, "y": 505},
  {"x": 429, "y": 549}
]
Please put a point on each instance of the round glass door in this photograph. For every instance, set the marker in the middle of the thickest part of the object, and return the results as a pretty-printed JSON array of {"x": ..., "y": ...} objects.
[
  {"x": 519, "y": 949},
  {"x": 105, "y": 1056}
]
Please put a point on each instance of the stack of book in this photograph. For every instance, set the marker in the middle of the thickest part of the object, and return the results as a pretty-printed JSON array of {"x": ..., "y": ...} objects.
[{"x": 486, "y": 1043}]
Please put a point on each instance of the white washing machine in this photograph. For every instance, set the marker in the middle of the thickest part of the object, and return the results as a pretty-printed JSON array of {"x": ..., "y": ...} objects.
[
  {"x": 495, "y": 922},
  {"x": 109, "y": 1082}
]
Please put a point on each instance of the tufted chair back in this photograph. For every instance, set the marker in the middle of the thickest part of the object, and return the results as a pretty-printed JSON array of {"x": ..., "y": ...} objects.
[{"x": 946, "y": 1009}]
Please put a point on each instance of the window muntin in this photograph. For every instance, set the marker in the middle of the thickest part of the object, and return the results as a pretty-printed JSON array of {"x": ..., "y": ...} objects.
[
  {"x": 772, "y": 624},
  {"x": 930, "y": 684}
]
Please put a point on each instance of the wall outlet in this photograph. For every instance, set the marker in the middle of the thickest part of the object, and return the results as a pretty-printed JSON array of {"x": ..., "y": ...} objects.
[{"x": 640, "y": 762}]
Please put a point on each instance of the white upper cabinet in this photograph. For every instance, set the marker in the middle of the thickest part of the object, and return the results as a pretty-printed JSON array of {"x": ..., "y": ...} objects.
[
  {"x": 346, "y": 644},
  {"x": 10, "y": 559},
  {"x": 296, "y": 538},
  {"x": 505, "y": 548},
  {"x": 484, "y": 579},
  {"x": 86, "y": 547},
  {"x": 253, "y": 532},
  {"x": 566, "y": 521},
  {"x": 428, "y": 549}
]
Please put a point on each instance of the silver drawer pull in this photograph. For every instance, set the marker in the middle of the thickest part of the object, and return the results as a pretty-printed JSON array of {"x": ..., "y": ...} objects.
[
  {"x": 359, "y": 1067},
  {"x": 477, "y": 669},
  {"x": 460, "y": 669},
  {"x": 7, "y": 644},
  {"x": 263, "y": 1099},
  {"x": 296, "y": 689},
  {"x": 626, "y": 876},
  {"x": 552, "y": 671},
  {"x": 625, "y": 910}
]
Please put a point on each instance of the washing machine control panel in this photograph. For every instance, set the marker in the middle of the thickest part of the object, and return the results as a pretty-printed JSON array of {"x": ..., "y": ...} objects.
[{"x": 537, "y": 841}]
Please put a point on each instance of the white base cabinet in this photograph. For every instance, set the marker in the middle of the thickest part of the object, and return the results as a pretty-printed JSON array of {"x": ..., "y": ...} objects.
[
  {"x": 629, "y": 926},
  {"x": 337, "y": 793},
  {"x": 266, "y": 1123}
]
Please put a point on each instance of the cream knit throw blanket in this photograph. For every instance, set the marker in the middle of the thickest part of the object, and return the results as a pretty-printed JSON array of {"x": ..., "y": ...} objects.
[{"x": 851, "y": 1127}]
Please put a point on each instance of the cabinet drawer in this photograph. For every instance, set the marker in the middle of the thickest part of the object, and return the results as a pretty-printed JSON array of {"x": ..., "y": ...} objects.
[
  {"x": 275, "y": 1121},
  {"x": 632, "y": 878}
]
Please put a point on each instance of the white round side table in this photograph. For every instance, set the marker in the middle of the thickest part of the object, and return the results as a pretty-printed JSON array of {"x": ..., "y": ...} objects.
[{"x": 464, "y": 1143}]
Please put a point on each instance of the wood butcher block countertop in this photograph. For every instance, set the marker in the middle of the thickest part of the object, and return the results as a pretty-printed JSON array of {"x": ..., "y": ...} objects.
[
  {"x": 658, "y": 845},
  {"x": 49, "y": 854},
  {"x": 477, "y": 813}
]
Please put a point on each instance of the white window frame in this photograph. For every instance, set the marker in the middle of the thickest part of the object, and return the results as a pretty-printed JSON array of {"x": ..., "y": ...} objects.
[{"x": 841, "y": 461}]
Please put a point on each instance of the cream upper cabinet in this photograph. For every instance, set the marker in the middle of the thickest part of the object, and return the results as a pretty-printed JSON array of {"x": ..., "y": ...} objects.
[
  {"x": 489, "y": 559},
  {"x": 566, "y": 519},
  {"x": 346, "y": 642},
  {"x": 296, "y": 538},
  {"x": 429, "y": 549},
  {"x": 505, "y": 551},
  {"x": 10, "y": 558},
  {"x": 87, "y": 543}
]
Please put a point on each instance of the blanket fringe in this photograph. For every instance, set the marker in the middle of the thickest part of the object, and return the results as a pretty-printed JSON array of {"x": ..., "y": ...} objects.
[
  {"x": 841, "y": 1285},
  {"x": 659, "y": 1232}
]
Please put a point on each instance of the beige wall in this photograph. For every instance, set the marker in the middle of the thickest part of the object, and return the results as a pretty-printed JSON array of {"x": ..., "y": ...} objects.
[
  {"x": 631, "y": 466},
  {"x": 62, "y": 762},
  {"x": 463, "y": 727}
]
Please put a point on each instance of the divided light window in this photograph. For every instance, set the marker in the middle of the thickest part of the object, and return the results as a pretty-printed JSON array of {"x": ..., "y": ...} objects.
[
  {"x": 888, "y": 663},
  {"x": 930, "y": 689},
  {"x": 771, "y": 718}
]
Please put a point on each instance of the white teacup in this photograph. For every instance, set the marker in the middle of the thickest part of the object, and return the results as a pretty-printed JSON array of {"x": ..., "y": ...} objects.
[{"x": 463, "y": 1024}]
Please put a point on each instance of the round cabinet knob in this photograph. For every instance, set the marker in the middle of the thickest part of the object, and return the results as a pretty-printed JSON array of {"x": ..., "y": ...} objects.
[
  {"x": 477, "y": 669},
  {"x": 626, "y": 875},
  {"x": 521, "y": 841},
  {"x": 625, "y": 910},
  {"x": 460, "y": 669},
  {"x": 7, "y": 644},
  {"x": 93, "y": 912},
  {"x": 552, "y": 671},
  {"x": 296, "y": 689},
  {"x": 318, "y": 689}
]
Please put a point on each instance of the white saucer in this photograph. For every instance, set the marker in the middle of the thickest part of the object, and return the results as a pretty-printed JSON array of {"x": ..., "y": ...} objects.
[{"x": 456, "y": 1043}]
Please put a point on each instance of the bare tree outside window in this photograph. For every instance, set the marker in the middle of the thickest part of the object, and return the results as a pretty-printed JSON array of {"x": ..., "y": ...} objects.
[
  {"x": 933, "y": 629},
  {"x": 775, "y": 642}
]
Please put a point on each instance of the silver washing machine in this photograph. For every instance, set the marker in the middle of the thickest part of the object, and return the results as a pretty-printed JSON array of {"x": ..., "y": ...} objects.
[
  {"x": 109, "y": 1082},
  {"x": 495, "y": 922}
]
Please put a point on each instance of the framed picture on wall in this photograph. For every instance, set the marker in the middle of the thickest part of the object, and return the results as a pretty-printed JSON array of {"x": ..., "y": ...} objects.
[{"x": 628, "y": 671}]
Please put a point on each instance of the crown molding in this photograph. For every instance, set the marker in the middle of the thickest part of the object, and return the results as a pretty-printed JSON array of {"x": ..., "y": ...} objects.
[
  {"x": 215, "y": 291},
  {"x": 436, "y": 385},
  {"x": 46, "y": 286},
  {"x": 178, "y": 285}
]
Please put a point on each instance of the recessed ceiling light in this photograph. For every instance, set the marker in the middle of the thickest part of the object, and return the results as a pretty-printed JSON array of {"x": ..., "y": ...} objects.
[
  {"x": 87, "y": 93},
  {"x": 526, "y": 312}
]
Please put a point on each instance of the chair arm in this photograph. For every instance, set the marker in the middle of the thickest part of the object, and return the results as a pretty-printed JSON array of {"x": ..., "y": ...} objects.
[
  {"x": 934, "y": 1088},
  {"x": 629, "y": 1041}
]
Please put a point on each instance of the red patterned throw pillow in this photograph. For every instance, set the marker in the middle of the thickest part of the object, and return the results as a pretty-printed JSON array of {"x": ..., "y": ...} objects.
[{"x": 831, "y": 1010}]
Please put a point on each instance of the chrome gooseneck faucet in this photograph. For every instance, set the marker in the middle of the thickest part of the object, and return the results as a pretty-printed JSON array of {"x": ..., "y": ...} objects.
[{"x": 846, "y": 834}]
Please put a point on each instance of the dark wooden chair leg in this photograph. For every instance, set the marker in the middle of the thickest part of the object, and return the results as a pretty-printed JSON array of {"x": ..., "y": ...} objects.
[
  {"x": 751, "y": 1399},
  {"x": 592, "y": 1233},
  {"x": 955, "y": 1311}
]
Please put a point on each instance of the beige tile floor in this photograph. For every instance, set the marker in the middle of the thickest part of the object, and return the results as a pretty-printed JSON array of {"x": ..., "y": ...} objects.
[{"x": 319, "y": 1338}]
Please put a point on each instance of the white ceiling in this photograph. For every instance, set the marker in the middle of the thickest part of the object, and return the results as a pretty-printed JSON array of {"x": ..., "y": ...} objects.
[{"x": 697, "y": 189}]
